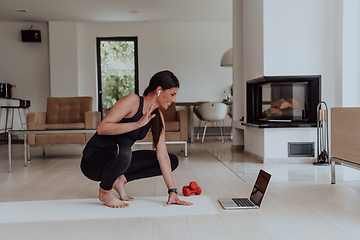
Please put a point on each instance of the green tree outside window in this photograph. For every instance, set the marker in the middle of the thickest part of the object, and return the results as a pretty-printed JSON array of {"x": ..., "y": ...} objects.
[{"x": 117, "y": 71}]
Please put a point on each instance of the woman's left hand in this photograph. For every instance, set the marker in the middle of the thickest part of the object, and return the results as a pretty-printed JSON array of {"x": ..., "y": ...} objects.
[{"x": 173, "y": 198}]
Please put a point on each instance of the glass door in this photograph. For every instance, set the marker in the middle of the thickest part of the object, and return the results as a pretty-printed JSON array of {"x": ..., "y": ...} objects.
[{"x": 117, "y": 70}]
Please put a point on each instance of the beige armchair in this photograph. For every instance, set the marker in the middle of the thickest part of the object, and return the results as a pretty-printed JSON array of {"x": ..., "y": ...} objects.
[
  {"x": 176, "y": 127},
  {"x": 63, "y": 113}
]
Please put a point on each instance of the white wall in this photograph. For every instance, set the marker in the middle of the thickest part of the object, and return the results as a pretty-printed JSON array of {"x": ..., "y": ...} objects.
[
  {"x": 254, "y": 141},
  {"x": 270, "y": 144},
  {"x": 238, "y": 72},
  {"x": 277, "y": 140},
  {"x": 288, "y": 37},
  {"x": 338, "y": 51},
  {"x": 351, "y": 54},
  {"x": 25, "y": 64},
  {"x": 63, "y": 59},
  {"x": 192, "y": 50},
  {"x": 248, "y": 54},
  {"x": 299, "y": 39},
  {"x": 253, "y": 39}
]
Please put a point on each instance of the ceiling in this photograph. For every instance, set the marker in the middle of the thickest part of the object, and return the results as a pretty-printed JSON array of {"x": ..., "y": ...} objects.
[{"x": 116, "y": 10}]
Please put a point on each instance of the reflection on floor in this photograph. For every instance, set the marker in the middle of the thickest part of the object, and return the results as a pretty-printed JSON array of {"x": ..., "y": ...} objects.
[
  {"x": 300, "y": 202},
  {"x": 247, "y": 169}
]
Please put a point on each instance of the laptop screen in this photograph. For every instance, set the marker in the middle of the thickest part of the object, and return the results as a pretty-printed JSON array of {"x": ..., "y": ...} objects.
[{"x": 260, "y": 186}]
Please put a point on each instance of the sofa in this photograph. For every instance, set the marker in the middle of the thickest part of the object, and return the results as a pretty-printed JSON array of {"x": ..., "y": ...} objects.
[
  {"x": 176, "y": 127},
  {"x": 63, "y": 113}
]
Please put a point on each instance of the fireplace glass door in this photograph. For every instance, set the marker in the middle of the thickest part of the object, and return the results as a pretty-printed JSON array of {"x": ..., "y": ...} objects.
[{"x": 285, "y": 101}]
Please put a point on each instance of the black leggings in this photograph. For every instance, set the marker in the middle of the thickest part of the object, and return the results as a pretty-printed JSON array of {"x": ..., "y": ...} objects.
[{"x": 112, "y": 162}]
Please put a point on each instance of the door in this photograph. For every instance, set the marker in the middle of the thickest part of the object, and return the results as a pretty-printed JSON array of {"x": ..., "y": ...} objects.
[{"x": 117, "y": 65}]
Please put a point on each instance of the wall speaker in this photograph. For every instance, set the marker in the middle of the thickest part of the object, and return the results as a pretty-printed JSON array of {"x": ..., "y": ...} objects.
[{"x": 30, "y": 36}]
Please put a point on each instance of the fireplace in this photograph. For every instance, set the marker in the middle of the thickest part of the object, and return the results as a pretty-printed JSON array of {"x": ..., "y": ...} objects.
[{"x": 283, "y": 101}]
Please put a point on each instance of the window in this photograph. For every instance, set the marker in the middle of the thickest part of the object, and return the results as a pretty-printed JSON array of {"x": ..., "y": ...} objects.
[{"x": 117, "y": 65}]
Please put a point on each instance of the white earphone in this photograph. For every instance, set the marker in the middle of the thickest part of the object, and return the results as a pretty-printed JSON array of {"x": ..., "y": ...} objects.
[{"x": 158, "y": 93}]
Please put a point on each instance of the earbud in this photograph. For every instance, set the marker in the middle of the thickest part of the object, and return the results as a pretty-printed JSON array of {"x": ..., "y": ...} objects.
[{"x": 158, "y": 93}]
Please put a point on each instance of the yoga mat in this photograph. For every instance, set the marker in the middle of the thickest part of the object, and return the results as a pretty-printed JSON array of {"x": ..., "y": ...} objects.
[{"x": 73, "y": 209}]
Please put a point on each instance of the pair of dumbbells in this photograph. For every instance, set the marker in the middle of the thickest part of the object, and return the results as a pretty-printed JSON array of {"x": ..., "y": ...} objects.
[{"x": 192, "y": 188}]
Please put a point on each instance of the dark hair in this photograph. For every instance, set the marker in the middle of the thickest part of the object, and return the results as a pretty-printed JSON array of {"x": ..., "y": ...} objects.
[{"x": 166, "y": 80}]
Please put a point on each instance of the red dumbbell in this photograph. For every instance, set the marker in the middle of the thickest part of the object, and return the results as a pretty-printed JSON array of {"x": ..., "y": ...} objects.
[{"x": 192, "y": 188}]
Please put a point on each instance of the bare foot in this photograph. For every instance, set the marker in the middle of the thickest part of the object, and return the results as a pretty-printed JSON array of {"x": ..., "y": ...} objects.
[
  {"x": 119, "y": 186},
  {"x": 110, "y": 200}
]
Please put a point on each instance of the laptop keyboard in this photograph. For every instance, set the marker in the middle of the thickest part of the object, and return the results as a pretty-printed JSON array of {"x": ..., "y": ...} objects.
[{"x": 243, "y": 202}]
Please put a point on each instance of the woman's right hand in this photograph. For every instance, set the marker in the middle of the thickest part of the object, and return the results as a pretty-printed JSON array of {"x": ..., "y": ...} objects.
[{"x": 147, "y": 116}]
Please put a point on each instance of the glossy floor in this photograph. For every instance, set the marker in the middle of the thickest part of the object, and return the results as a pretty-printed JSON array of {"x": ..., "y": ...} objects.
[{"x": 300, "y": 202}]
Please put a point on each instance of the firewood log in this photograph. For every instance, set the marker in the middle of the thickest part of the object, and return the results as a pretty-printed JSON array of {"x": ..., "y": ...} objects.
[
  {"x": 294, "y": 103},
  {"x": 273, "y": 111},
  {"x": 284, "y": 104}
]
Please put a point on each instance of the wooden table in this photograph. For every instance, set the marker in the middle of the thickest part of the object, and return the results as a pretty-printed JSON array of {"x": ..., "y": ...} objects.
[{"x": 190, "y": 109}]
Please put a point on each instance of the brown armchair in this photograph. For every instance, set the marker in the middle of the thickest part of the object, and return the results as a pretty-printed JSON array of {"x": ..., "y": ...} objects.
[
  {"x": 176, "y": 127},
  {"x": 63, "y": 113}
]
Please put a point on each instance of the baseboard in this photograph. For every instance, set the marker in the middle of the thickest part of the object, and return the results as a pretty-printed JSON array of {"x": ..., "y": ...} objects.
[
  {"x": 289, "y": 160},
  {"x": 253, "y": 156},
  {"x": 237, "y": 147}
]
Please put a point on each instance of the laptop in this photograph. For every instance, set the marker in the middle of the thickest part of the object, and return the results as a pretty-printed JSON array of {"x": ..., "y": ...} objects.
[{"x": 256, "y": 196}]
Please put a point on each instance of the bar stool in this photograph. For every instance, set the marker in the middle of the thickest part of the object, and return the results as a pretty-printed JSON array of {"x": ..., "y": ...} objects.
[{"x": 23, "y": 107}]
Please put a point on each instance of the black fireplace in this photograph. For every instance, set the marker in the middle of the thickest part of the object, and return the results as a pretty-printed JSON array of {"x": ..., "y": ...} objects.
[{"x": 283, "y": 101}]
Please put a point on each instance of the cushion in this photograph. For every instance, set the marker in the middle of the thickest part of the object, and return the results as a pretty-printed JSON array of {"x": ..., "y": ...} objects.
[
  {"x": 170, "y": 113},
  {"x": 67, "y": 109},
  {"x": 172, "y": 126}
]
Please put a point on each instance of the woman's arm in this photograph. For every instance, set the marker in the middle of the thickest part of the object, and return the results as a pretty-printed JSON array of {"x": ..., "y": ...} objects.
[
  {"x": 124, "y": 107},
  {"x": 165, "y": 166}
]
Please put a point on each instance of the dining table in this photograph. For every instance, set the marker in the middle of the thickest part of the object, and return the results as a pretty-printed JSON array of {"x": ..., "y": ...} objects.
[{"x": 190, "y": 110}]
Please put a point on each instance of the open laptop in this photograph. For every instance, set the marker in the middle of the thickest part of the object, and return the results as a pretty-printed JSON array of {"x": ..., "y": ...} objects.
[{"x": 256, "y": 196}]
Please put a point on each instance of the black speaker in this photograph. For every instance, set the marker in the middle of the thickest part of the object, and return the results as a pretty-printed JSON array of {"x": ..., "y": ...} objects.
[{"x": 30, "y": 35}]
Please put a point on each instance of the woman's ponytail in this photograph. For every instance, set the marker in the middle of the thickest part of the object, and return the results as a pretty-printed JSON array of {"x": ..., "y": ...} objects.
[
  {"x": 166, "y": 80},
  {"x": 146, "y": 91},
  {"x": 157, "y": 127}
]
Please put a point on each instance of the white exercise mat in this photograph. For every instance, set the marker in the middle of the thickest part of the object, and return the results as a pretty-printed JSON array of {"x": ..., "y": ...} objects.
[{"x": 94, "y": 209}]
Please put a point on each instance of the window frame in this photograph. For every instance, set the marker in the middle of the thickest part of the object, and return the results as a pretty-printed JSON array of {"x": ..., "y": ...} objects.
[{"x": 98, "y": 62}]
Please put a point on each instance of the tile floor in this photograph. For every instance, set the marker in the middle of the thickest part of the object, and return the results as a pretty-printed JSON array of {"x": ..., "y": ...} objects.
[{"x": 300, "y": 202}]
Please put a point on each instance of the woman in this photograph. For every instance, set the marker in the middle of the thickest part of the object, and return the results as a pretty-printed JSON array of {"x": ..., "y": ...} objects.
[{"x": 107, "y": 156}]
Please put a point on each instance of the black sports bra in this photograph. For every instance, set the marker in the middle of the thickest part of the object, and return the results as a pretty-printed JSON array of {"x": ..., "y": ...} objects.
[
  {"x": 139, "y": 133},
  {"x": 98, "y": 142}
]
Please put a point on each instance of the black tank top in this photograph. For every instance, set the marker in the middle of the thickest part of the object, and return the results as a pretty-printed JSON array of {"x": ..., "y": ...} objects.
[{"x": 98, "y": 142}]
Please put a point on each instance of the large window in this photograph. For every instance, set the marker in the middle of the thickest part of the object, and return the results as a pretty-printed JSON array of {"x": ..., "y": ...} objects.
[{"x": 117, "y": 70}]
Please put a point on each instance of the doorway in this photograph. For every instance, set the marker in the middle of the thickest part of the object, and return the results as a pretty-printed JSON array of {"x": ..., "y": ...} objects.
[{"x": 117, "y": 64}]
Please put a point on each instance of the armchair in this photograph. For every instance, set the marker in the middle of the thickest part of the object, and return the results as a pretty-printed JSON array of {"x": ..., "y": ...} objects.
[
  {"x": 63, "y": 113},
  {"x": 176, "y": 127}
]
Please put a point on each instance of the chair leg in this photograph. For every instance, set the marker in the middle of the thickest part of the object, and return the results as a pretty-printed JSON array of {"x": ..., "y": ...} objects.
[
  {"x": 12, "y": 119},
  {"x": 203, "y": 138},
  {"x": 213, "y": 127},
  {"x": 6, "y": 124},
  {"x": 28, "y": 151},
  {"x": 198, "y": 133},
  {"x": 21, "y": 121},
  {"x": 221, "y": 133}
]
